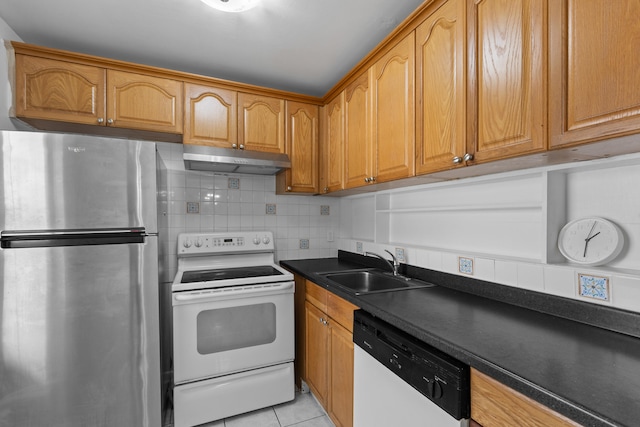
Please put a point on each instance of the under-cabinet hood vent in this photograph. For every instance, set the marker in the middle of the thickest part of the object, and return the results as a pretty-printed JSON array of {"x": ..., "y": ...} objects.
[{"x": 227, "y": 160}]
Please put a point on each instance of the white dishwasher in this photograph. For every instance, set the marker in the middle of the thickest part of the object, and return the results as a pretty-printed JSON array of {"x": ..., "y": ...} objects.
[{"x": 401, "y": 381}]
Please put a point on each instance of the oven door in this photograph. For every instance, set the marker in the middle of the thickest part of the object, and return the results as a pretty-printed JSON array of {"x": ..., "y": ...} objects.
[{"x": 226, "y": 330}]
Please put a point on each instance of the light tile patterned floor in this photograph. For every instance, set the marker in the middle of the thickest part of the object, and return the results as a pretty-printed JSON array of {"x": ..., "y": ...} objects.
[{"x": 303, "y": 411}]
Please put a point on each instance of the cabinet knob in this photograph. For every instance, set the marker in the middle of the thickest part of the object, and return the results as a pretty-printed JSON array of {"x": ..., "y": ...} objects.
[
  {"x": 326, "y": 189},
  {"x": 289, "y": 188},
  {"x": 234, "y": 145},
  {"x": 109, "y": 121},
  {"x": 367, "y": 179},
  {"x": 242, "y": 146},
  {"x": 372, "y": 179},
  {"x": 467, "y": 157},
  {"x": 100, "y": 120},
  {"x": 457, "y": 160}
]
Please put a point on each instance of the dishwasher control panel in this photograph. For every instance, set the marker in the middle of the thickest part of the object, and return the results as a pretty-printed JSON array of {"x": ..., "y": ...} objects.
[{"x": 441, "y": 378}]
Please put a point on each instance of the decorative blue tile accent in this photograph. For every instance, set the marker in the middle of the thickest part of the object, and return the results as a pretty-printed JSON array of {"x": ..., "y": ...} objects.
[
  {"x": 234, "y": 183},
  {"x": 359, "y": 247},
  {"x": 465, "y": 265},
  {"x": 304, "y": 243},
  {"x": 593, "y": 286},
  {"x": 271, "y": 209},
  {"x": 193, "y": 207},
  {"x": 324, "y": 210},
  {"x": 400, "y": 254}
]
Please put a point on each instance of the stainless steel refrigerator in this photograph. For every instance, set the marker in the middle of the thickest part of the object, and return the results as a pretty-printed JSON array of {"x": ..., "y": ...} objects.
[{"x": 78, "y": 282}]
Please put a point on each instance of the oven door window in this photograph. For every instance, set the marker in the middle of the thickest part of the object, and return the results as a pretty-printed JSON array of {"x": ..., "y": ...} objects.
[{"x": 232, "y": 328}]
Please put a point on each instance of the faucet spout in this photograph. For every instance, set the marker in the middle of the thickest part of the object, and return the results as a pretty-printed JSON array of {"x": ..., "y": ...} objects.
[{"x": 392, "y": 264}]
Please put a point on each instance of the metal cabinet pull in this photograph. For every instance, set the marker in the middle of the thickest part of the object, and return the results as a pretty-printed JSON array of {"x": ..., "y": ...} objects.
[
  {"x": 457, "y": 160},
  {"x": 467, "y": 157},
  {"x": 109, "y": 121},
  {"x": 100, "y": 120}
]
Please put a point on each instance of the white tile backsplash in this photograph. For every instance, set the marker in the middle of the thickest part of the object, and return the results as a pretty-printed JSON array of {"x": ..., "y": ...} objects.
[
  {"x": 530, "y": 276},
  {"x": 506, "y": 272},
  {"x": 225, "y": 209}
]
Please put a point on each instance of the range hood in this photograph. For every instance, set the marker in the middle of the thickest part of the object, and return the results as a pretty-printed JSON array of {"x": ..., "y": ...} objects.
[{"x": 213, "y": 159}]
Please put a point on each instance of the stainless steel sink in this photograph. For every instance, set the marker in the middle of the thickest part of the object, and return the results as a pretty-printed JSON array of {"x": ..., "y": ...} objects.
[{"x": 371, "y": 281}]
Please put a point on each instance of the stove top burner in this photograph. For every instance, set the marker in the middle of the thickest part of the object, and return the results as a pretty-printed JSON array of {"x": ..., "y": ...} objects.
[{"x": 229, "y": 273}]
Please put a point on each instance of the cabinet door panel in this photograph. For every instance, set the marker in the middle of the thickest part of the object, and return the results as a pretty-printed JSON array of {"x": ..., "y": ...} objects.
[
  {"x": 359, "y": 148},
  {"x": 394, "y": 112},
  {"x": 138, "y": 101},
  {"x": 261, "y": 123},
  {"x": 58, "y": 90},
  {"x": 333, "y": 145},
  {"x": 341, "y": 374},
  {"x": 594, "y": 63},
  {"x": 302, "y": 148},
  {"x": 440, "y": 55},
  {"x": 317, "y": 353},
  {"x": 509, "y": 74},
  {"x": 210, "y": 116}
]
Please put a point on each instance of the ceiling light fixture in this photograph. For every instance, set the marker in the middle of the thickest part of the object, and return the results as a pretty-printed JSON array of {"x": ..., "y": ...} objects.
[{"x": 232, "y": 5}]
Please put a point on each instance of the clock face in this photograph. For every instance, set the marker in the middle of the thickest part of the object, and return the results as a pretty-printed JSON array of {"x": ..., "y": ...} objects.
[{"x": 590, "y": 241}]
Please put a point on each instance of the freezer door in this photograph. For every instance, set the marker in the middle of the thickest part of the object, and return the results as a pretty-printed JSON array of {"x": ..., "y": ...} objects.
[
  {"x": 80, "y": 336},
  {"x": 75, "y": 182}
]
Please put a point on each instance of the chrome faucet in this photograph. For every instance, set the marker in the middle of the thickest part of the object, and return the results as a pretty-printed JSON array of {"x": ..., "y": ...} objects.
[{"x": 394, "y": 266}]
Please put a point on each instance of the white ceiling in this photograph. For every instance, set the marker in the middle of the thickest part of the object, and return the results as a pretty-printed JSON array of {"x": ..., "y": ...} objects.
[{"x": 303, "y": 46}]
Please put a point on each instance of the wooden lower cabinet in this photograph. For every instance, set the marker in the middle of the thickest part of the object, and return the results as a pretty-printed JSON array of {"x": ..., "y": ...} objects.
[
  {"x": 316, "y": 352},
  {"x": 493, "y": 404},
  {"x": 328, "y": 355},
  {"x": 341, "y": 374}
]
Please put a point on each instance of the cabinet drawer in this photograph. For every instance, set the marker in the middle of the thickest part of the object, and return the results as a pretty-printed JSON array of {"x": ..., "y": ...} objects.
[
  {"x": 317, "y": 295},
  {"x": 341, "y": 311},
  {"x": 494, "y": 405}
]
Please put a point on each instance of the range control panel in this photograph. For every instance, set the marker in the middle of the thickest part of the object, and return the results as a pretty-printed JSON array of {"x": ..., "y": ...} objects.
[{"x": 228, "y": 242}]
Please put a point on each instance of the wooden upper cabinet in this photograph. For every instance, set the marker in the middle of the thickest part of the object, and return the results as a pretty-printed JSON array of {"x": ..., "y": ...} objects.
[
  {"x": 506, "y": 82},
  {"x": 359, "y": 149},
  {"x": 441, "y": 85},
  {"x": 332, "y": 164},
  {"x": 261, "y": 123},
  {"x": 302, "y": 149},
  {"x": 393, "y": 104},
  {"x": 210, "y": 115},
  {"x": 594, "y": 63},
  {"x": 57, "y": 90},
  {"x": 144, "y": 102}
]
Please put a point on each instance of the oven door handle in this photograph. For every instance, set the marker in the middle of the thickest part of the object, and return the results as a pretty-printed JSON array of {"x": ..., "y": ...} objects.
[{"x": 256, "y": 290}]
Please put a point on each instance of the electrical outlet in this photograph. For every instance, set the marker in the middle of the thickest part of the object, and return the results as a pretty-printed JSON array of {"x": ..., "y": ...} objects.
[
  {"x": 329, "y": 236},
  {"x": 359, "y": 247},
  {"x": 400, "y": 254}
]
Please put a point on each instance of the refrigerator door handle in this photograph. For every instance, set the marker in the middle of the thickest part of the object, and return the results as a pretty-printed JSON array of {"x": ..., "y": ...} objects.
[{"x": 46, "y": 239}]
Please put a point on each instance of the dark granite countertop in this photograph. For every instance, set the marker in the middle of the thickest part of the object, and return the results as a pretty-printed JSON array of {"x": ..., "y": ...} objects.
[{"x": 587, "y": 372}]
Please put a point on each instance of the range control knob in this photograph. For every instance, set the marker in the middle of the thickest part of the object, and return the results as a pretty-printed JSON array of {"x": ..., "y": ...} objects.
[
  {"x": 435, "y": 389},
  {"x": 256, "y": 240},
  {"x": 198, "y": 243},
  {"x": 266, "y": 240},
  {"x": 187, "y": 243}
]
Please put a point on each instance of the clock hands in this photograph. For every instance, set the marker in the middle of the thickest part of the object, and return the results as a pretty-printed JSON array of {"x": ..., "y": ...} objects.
[{"x": 588, "y": 239}]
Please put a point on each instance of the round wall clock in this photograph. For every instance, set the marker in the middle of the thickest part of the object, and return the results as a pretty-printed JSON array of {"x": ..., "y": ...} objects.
[{"x": 590, "y": 241}]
